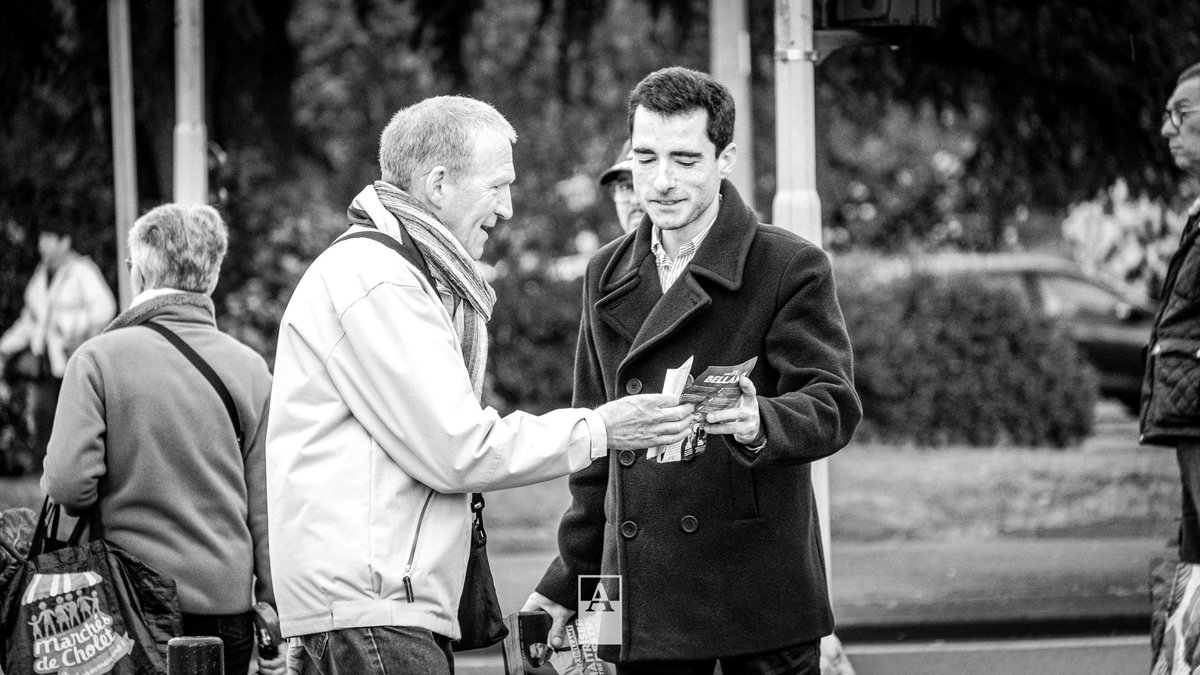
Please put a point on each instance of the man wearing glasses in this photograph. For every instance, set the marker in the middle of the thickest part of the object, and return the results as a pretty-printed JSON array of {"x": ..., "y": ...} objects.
[
  {"x": 618, "y": 179},
  {"x": 1170, "y": 412}
]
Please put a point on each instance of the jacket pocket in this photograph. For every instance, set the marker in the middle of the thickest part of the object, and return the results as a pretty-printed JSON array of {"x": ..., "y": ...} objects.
[
  {"x": 743, "y": 492},
  {"x": 412, "y": 553},
  {"x": 1175, "y": 389}
]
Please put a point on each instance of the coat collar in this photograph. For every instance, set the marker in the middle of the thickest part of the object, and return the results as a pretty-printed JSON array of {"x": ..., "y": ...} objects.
[
  {"x": 631, "y": 300},
  {"x": 721, "y": 258},
  {"x": 192, "y": 306}
]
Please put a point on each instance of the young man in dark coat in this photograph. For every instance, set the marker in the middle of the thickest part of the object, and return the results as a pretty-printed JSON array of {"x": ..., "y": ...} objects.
[{"x": 720, "y": 557}]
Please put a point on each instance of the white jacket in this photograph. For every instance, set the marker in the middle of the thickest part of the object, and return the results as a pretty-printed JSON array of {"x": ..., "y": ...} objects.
[
  {"x": 61, "y": 313},
  {"x": 375, "y": 441}
]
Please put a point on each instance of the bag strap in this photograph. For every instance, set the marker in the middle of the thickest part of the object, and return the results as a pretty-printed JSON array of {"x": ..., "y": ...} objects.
[
  {"x": 408, "y": 250},
  {"x": 47, "y": 526},
  {"x": 478, "y": 534},
  {"x": 205, "y": 370},
  {"x": 412, "y": 254}
]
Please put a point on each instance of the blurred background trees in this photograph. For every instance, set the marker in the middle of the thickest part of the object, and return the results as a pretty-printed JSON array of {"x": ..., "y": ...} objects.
[{"x": 979, "y": 134}]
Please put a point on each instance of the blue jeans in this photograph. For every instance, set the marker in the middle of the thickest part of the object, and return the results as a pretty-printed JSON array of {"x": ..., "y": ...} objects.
[
  {"x": 801, "y": 659},
  {"x": 378, "y": 650}
]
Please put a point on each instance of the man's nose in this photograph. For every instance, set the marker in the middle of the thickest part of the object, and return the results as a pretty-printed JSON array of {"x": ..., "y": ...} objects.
[
  {"x": 664, "y": 177},
  {"x": 504, "y": 208},
  {"x": 1167, "y": 129}
]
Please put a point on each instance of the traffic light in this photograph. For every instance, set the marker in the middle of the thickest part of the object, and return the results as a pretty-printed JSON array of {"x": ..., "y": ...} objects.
[{"x": 876, "y": 13}]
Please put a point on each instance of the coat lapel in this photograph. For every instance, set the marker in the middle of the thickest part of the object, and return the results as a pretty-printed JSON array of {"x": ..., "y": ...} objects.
[
  {"x": 626, "y": 293},
  {"x": 632, "y": 302}
]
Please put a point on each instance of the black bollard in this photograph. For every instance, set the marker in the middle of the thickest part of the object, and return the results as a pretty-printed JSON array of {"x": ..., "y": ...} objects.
[{"x": 196, "y": 656}]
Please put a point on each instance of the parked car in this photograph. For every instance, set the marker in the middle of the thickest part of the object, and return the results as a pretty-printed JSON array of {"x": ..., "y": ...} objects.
[{"x": 1111, "y": 325}]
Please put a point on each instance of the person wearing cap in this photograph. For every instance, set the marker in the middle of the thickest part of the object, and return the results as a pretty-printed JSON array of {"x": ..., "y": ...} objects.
[
  {"x": 618, "y": 179},
  {"x": 67, "y": 301}
]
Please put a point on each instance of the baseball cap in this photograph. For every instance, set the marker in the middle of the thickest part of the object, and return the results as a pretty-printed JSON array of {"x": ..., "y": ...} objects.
[{"x": 624, "y": 164}]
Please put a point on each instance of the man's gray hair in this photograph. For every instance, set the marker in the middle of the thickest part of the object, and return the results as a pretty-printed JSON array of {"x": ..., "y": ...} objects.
[
  {"x": 436, "y": 131},
  {"x": 180, "y": 247}
]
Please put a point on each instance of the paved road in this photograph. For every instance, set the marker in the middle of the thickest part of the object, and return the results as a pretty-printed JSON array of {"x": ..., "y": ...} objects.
[{"x": 1010, "y": 606}]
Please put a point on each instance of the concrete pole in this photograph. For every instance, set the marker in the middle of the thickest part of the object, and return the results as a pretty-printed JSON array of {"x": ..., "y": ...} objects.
[
  {"x": 729, "y": 53},
  {"x": 797, "y": 207},
  {"x": 120, "y": 72},
  {"x": 191, "y": 138}
]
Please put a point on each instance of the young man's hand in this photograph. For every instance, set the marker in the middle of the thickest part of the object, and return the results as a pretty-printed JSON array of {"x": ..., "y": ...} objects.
[
  {"x": 741, "y": 421},
  {"x": 560, "y": 614}
]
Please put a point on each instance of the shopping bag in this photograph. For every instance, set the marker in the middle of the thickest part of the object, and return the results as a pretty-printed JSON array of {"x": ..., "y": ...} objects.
[
  {"x": 87, "y": 607},
  {"x": 1174, "y": 617}
]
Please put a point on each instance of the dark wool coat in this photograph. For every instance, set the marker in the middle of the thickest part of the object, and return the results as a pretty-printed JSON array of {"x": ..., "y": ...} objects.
[
  {"x": 719, "y": 556},
  {"x": 1170, "y": 396}
]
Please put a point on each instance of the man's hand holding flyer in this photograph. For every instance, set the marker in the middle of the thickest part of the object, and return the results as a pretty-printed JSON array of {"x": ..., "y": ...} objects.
[{"x": 715, "y": 389}]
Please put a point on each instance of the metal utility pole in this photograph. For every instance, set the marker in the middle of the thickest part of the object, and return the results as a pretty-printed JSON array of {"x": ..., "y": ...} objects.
[
  {"x": 797, "y": 207},
  {"x": 729, "y": 55},
  {"x": 191, "y": 138},
  {"x": 120, "y": 69}
]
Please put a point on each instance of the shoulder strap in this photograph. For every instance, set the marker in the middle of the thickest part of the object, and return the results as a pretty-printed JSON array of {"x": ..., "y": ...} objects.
[
  {"x": 413, "y": 255},
  {"x": 205, "y": 370},
  {"x": 409, "y": 251}
]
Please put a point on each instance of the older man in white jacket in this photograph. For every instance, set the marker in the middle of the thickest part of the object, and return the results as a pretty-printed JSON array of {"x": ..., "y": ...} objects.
[{"x": 376, "y": 434}]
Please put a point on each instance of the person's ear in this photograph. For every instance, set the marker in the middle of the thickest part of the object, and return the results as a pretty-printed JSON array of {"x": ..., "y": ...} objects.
[
  {"x": 436, "y": 185},
  {"x": 726, "y": 159},
  {"x": 136, "y": 283}
]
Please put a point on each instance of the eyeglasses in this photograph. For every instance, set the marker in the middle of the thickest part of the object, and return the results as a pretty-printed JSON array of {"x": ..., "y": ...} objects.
[
  {"x": 1175, "y": 115},
  {"x": 621, "y": 188}
]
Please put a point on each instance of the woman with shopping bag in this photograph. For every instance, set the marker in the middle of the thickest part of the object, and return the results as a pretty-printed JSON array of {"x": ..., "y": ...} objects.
[{"x": 160, "y": 429}]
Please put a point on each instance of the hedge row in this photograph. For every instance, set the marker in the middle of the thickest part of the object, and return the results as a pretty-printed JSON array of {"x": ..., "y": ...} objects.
[
  {"x": 943, "y": 359},
  {"x": 938, "y": 360}
]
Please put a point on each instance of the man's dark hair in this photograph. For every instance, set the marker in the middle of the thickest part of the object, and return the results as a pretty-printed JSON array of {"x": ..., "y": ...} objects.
[
  {"x": 1188, "y": 73},
  {"x": 679, "y": 91}
]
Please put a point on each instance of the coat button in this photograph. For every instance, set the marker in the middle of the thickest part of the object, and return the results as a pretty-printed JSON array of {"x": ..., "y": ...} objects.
[
  {"x": 627, "y": 457},
  {"x": 629, "y": 529},
  {"x": 633, "y": 386},
  {"x": 689, "y": 524}
]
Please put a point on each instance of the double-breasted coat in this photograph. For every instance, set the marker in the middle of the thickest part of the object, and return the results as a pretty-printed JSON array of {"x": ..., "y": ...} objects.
[{"x": 721, "y": 555}]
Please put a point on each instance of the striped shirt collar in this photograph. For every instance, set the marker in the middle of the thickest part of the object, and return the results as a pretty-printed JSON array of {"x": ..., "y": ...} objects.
[{"x": 669, "y": 270}]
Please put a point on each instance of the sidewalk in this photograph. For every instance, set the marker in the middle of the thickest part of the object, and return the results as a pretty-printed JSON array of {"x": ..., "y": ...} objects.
[{"x": 897, "y": 603}]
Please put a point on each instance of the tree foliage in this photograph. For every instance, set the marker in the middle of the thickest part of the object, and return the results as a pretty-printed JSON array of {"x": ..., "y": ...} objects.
[
  {"x": 1008, "y": 108},
  {"x": 1065, "y": 96}
]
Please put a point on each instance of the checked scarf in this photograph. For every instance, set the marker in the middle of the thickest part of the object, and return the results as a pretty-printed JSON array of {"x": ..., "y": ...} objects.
[{"x": 385, "y": 206}]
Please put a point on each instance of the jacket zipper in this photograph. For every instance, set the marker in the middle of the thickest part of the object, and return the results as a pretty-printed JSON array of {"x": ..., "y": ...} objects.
[{"x": 408, "y": 589}]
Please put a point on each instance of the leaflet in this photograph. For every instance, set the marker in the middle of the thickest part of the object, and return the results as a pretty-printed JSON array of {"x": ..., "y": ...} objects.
[{"x": 715, "y": 389}]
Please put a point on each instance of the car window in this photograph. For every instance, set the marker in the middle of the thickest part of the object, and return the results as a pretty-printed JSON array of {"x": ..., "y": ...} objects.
[{"x": 1068, "y": 296}]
